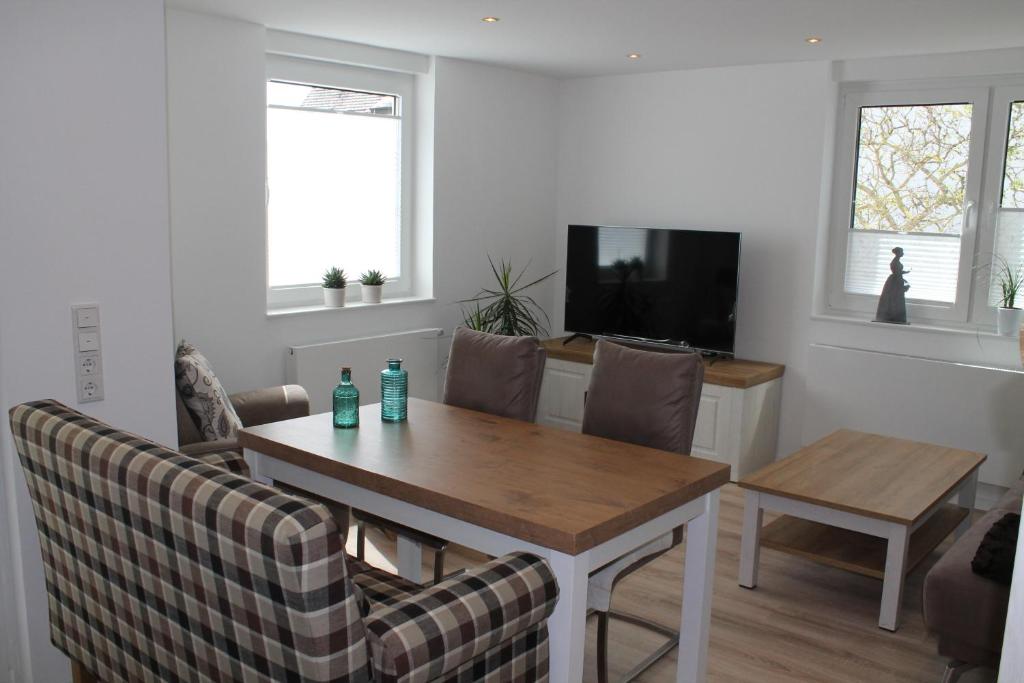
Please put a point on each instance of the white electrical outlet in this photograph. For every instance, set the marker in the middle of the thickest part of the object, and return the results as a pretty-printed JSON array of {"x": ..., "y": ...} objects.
[
  {"x": 88, "y": 364},
  {"x": 90, "y": 389},
  {"x": 85, "y": 331}
]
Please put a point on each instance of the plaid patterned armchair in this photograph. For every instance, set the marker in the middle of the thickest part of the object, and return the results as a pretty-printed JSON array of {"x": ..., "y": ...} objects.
[{"x": 162, "y": 567}]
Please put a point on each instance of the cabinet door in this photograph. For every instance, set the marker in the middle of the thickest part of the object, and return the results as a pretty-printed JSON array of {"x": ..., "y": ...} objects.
[
  {"x": 715, "y": 434},
  {"x": 561, "y": 394}
]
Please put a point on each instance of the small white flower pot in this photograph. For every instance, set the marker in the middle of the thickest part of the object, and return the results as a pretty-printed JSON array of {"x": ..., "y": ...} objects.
[
  {"x": 334, "y": 298},
  {"x": 1009, "y": 321},
  {"x": 371, "y": 293}
]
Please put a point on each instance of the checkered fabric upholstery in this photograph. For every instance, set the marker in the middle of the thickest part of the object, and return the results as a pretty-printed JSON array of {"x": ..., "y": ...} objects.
[
  {"x": 455, "y": 630},
  {"x": 232, "y": 461},
  {"x": 161, "y": 567}
]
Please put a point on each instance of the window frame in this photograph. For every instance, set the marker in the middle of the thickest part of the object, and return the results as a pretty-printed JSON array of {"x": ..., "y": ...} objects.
[
  {"x": 852, "y": 98},
  {"x": 1003, "y": 97},
  {"x": 330, "y": 75}
]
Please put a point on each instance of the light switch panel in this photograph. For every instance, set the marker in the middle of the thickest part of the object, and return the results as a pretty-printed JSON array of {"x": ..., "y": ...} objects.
[
  {"x": 85, "y": 330},
  {"x": 88, "y": 341},
  {"x": 87, "y": 316}
]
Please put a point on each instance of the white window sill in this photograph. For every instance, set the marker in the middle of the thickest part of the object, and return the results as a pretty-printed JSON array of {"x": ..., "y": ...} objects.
[
  {"x": 349, "y": 306},
  {"x": 972, "y": 330}
]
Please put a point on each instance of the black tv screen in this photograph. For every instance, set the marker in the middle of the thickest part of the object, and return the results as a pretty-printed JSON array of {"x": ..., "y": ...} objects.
[{"x": 669, "y": 286}]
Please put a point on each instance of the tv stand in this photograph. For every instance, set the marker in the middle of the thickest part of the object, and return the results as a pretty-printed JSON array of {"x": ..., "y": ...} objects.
[
  {"x": 575, "y": 336},
  {"x": 738, "y": 418}
]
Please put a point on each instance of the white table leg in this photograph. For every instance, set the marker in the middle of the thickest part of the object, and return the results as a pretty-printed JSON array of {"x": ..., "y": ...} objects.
[
  {"x": 410, "y": 559},
  {"x": 750, "y": 544},
  {"x": 965, "y": 498},
  {"x": 698, "y": 585},
  {"x": 895, "y": 572},
  {"x": 567, "y": 626},
  {"x": 255, "y": 461}
]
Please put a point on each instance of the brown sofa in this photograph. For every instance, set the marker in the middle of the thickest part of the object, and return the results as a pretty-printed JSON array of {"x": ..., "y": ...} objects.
[{"x": 966, "y": 611}]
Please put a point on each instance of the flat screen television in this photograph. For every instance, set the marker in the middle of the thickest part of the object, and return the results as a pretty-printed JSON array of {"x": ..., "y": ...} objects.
[{"x": 674, "y": 287}]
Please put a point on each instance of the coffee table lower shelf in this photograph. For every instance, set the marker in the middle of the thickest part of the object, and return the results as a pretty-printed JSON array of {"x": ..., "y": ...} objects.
[{"x": 852, "y": 550}]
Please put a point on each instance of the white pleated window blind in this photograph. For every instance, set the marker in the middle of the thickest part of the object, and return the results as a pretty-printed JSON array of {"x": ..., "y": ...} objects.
[{"x": 333, "y": 183}]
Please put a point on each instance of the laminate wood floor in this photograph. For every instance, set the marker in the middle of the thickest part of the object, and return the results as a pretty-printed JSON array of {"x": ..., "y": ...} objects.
[{"x": 804, "y": 621}]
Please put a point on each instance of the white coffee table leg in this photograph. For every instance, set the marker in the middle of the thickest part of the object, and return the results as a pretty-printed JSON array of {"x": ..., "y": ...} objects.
[
  {"x": 895, "y": 572},
  {"x": 750, "y": 543},
  {"x": 698, "y": 586},
  {"x": 965, "y": 498}
]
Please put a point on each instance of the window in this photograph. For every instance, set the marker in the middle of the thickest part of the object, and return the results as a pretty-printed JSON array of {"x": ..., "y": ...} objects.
[
  {"x": 911, "y": 171},
  {"x": 337, "y": 178}
]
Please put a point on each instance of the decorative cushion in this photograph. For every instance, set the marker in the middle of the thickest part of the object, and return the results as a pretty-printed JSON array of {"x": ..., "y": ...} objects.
[
  {"x": 495, "y": 374},
  {"x": 203, "y": 395},
  {"x": 648, "y": 398},
  {"x": 994, "y": 558}
]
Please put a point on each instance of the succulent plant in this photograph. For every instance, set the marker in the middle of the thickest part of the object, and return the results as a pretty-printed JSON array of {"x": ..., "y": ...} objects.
[
  {"x": 372, "y": 278},
  {"x": 334, "y": 278}
]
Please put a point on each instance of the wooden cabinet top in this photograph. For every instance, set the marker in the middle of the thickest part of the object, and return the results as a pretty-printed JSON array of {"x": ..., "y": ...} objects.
[{"x": 732, "y": 372}]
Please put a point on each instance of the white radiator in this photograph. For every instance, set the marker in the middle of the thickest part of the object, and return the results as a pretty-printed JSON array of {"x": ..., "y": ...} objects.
[{"x": 316, "y": 366}]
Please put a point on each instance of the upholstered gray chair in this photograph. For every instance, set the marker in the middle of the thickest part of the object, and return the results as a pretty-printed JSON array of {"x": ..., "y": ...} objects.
[
  {"x": 493, "y": 374},
  {"x": 648, "y": 398}
]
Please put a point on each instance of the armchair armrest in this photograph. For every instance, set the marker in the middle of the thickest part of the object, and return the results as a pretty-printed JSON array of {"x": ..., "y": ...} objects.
[
  {"x": 447, "y": 625},
  {"x": 271, "y": 404},
  {"x": 201, "y": 448}
]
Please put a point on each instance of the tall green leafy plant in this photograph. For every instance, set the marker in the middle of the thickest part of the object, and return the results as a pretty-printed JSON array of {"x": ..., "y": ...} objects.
[
  {"x": 1010, "y": 282},
  {"x": 504, "y": 308}
]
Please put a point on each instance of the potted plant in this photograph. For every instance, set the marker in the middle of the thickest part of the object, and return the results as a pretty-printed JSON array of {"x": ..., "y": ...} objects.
[
  {"x": 1008, "y": 316},
  {"x": 334, "y": 287},
  {"x": 506, "y": 309},
  {"x": 372, "y": 282}
]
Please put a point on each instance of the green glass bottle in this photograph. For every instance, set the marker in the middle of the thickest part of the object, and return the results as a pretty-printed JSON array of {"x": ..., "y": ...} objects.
[
  {"x": 346, "y": 402},
  {"x": 394, "y": 392}
]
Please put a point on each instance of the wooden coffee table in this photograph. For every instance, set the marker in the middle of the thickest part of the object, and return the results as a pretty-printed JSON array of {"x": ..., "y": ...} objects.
[{"x": 869, "y": 504}]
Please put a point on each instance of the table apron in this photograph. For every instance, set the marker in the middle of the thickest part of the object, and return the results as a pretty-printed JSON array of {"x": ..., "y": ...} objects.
[{"x": 826, "y": 515}]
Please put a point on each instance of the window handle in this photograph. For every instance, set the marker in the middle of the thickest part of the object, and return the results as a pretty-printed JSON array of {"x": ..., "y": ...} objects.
[{"x": 970, "y": 216}]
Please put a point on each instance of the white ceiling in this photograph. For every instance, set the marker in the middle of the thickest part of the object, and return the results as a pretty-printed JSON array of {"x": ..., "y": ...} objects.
[{"x": 591, "y": 37}]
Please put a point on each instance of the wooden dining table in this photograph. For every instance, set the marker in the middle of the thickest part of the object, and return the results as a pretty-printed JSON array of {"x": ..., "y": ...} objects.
[{"x": 498, "y": 485}]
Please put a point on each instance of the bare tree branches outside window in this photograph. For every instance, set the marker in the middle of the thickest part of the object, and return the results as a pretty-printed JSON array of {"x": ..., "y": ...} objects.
[{"x": 912, "y": 168}]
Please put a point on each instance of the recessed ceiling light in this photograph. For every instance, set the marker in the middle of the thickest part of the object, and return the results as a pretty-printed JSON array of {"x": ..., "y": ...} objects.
[
  {"x": 813, "y": 40},
  {"x": 491, "y": 20},
  {"x": 633, "y": 55}
]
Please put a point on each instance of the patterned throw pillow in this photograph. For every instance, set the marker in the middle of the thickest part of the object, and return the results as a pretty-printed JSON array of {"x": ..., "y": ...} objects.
[{"x": 204, "y": 395}]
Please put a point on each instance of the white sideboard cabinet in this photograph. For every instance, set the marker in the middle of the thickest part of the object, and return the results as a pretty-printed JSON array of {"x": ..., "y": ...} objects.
[{"x": 738, "y": 419}]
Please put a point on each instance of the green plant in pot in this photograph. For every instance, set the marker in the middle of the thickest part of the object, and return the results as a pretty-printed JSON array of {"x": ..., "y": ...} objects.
[
  {"x": 505, "y": 308},
  {"x": 334, "y": 287},
  {"x": 1008, "y": 316},
  {"x": 372, "y": 284}
]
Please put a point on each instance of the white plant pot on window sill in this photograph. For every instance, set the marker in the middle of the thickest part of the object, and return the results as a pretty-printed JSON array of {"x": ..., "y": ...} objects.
[
  {"x": 1009, "y": 320},
  {"x": 372, "y": 293},
  {"x": 334, "y": 297}
]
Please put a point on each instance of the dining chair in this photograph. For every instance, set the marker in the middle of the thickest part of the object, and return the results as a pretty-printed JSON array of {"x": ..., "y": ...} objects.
[
  {"x": 490, "y": 373},
  {"x": 649, "y": 398}
]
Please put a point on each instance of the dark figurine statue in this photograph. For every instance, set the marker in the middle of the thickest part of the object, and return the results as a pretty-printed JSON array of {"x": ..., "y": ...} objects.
[{"x": 892, "y": 304}]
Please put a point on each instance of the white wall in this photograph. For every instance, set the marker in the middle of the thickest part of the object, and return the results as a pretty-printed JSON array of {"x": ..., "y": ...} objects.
[
  {"x": 83, "y": 217},
  {"x": 729, "y": 149},
  {"x": 493, "y": 176},
  {"x": 750, "y": 149}
]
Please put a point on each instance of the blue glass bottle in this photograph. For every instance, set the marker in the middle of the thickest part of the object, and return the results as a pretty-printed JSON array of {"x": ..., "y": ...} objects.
[
  {"x": 346, "y": 402},
  {"x": 394, "y": 392}
]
